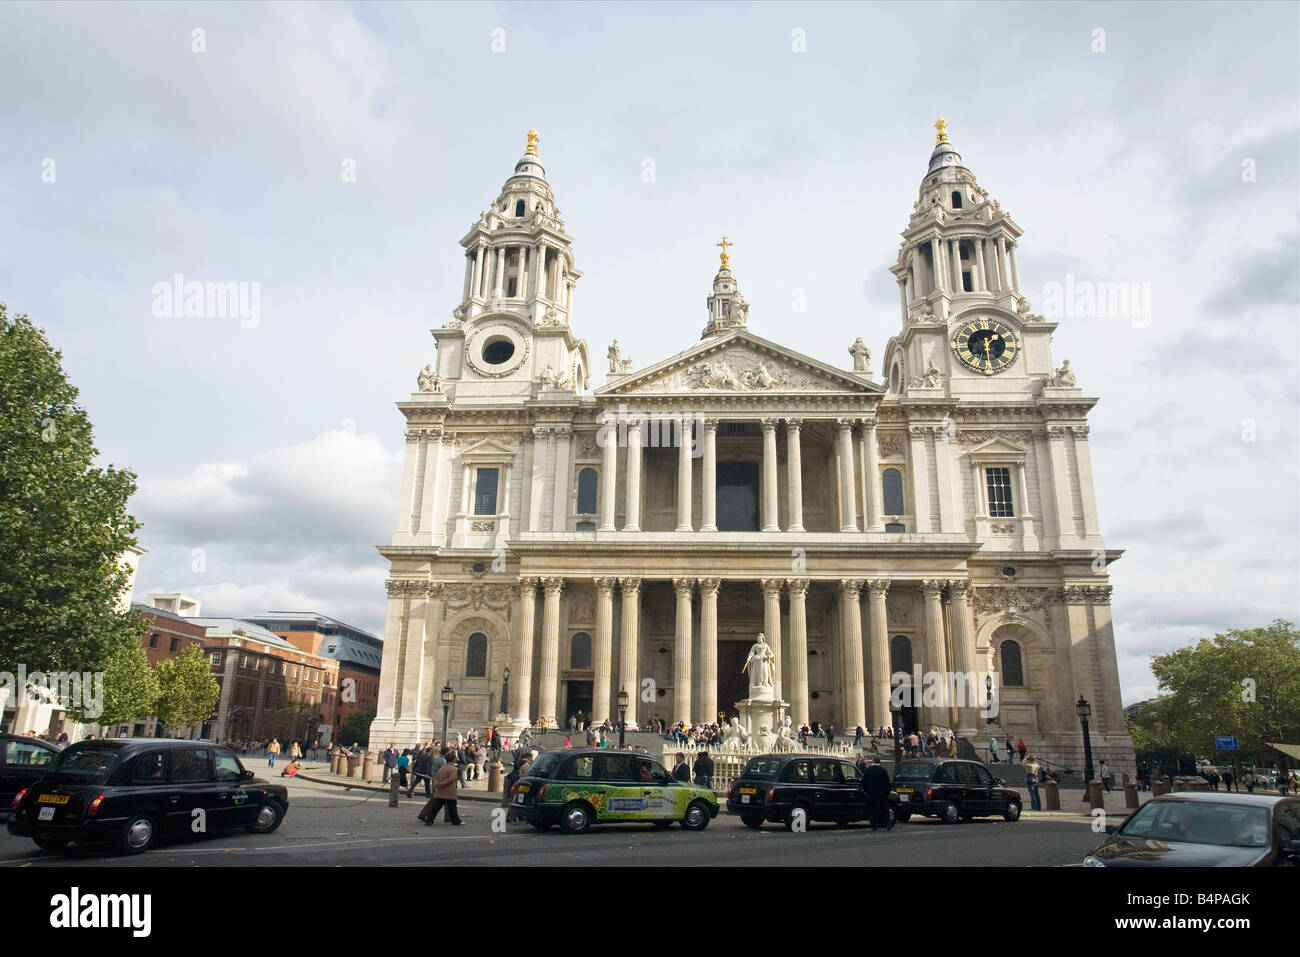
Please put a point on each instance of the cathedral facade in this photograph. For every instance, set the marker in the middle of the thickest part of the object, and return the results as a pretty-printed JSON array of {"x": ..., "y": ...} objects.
[{"x": 920, "y": 548}]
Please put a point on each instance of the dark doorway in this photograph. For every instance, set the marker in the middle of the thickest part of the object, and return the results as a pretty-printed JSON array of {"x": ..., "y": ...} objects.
[
  {"x": 732, "y": 685},
  {"x": 737, "y": 496},
  {"x": 577, "y": 698}
]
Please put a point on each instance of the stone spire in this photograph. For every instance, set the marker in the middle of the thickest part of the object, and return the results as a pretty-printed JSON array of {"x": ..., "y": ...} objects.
[{"x": 727, "y": 308}]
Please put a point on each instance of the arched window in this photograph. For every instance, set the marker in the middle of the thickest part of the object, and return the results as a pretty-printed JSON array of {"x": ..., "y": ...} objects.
[
  {"x": 580, "y": 651},
  {"x": 1013, "y": 671},
  {"x": 891, "y": 490},
  {"x": 476, "y": 656},
  {"x": 520, "y": 210},
  {"x": 900, "y": 654},
  {"x": 587, "y": 492},
  {"x": 956, "y": 200}
]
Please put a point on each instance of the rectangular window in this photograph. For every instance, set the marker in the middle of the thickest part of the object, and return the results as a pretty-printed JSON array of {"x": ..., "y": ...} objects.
[
  {"x": 998, "y": 481},
  {"x": 485, "y": 492},
  {"x": 216, "y": 657},
  {"x": 175, "y": 643},
  {"x": 153, "y": 641}
]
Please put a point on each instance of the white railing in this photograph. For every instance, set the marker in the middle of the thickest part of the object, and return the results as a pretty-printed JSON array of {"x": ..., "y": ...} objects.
[{"x": 727, "y": 765}]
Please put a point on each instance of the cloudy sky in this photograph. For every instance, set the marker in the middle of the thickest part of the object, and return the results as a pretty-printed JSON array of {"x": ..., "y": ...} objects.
[{"x": 1149, "y": 144}]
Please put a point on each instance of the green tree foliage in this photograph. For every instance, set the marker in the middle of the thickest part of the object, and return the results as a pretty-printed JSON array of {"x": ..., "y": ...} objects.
[
  {"x": 63, "y": 520},
  {"x": 187, "y": 692},
  {"x": 1244, "y": 683},
  {"x": 130, "y": 686},
  {"x": 356, "y": 728}
]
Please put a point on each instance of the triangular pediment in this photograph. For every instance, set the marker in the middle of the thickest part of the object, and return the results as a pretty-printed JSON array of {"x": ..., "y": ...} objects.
[
  {"x": 738, "y": 362},
  {"x": 487, "y": 448},
  {"x": 997, "y": 446}
]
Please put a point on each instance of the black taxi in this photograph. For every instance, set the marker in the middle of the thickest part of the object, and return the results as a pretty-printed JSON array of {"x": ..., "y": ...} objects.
[
  {"x": 952, "y": 790},
  {"x": 128, "y": 792},
  {"x": 23, "y": 759},
  {"x": 775, "y": 787}
]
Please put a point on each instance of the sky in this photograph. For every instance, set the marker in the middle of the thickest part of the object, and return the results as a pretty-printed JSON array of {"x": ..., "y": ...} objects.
[{"x": 333, "y": 154}]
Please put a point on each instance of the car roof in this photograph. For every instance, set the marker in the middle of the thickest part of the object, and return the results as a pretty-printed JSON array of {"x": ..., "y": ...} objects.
[
  {"x": 1222, "y": 797},
  {"x": 163, "y": 743},
  {"x": 6, "y": 736}
]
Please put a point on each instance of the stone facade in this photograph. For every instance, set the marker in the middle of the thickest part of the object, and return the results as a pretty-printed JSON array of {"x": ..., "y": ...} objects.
[{"x": 636, "y": 537}]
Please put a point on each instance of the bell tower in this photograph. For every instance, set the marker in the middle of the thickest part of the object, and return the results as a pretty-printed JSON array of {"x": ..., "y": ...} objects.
[
  {"x": 510, "y": 335},
  {"x": 727, "y": 308}
]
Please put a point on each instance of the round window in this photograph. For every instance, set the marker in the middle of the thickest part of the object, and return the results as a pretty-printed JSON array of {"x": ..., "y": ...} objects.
[{"x": 497, "y": 350}]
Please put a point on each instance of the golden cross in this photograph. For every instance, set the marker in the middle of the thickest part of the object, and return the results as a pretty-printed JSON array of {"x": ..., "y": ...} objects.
[
  {"x": 942, "y": 126},
  {"x": 726, "y": 260},
  {"x": 532, "y": 142}
]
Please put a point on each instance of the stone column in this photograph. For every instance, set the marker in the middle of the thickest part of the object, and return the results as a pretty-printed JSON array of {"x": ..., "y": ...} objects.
[
  {"x": 798, "y": 653},
  {"x": 1061, "y": 486},
  {"x": 708, "y": 669},
  {"x": 1046, "y": 496},
  {"x": 537, "y": 485},
  {"x": 709, "y": 477},
  {"x": 521, "y": 707},
  {"x": 872, "y": 506},
  {"x": 950, "y": 519},
  {"x": 498, "y": 281},
  {"x": 392, "y": 660},
  {"x": 963, "y": 650},
  {"x": 549, "y": 676},
  {"x": 416, "y": 640},
  {"x": 603, "y": 651},
  {"x": 563, "y": 472},
  {"x": 1002, "y": 265},
  {"x": 478, "y": 271},
  {"x": 684, "y": 522},
  {"x": 936, "y": 263},
  {"x": 954, "y": 251},
  {"x": 848, "y": 510},
  {"x": 978, "y": 277},
  {"x": 794, "y": 473},
  {"x": 772, "y": 627},
  {"x": 521, "y": 291},
  {"x": 854, "y": 711},
  {"x": 902, "y": 296},
  {"x": 916, "y": 274},
  {"x": 767, "y": 495},
  {"x": 682, "y": 652},
  {"x": 1087, "y": 493},
  {"x": 608, "y": 476},
  {"x": 628, "y": 679},
  {"x": 469, "y": 277},
  {"x": 878, "y": 625},
  {"x": 540, "y": 284},
  {"x": 920, "y": 478},
  {"x": 1015, "y": 273},
  {"x": 991, "y": 261},
  {"x": 632, "y": 520},
  {"x": 935, "y": 652}
]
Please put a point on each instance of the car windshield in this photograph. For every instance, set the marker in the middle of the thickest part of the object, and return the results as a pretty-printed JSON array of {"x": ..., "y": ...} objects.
[
  {"x": 762, "y": 768},
  {"x": 85, "y": 763},
  {"x": 913, "y": 771},
  {"x": 543, "y": 766},
  {"x": 1187, "y": 822}
]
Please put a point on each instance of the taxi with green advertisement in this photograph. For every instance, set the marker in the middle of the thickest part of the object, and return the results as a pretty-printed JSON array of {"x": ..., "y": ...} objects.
[{"x": 576, "y": 788}]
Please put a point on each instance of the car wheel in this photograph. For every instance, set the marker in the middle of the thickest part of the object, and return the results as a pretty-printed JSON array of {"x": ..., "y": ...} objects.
[
  {"x": 697, "y": 816},
  {"x": 269, "y": 816},
  {"x": 576, "y": 818},
  {"x": 51, "y": 843},
  {"x": 752, "y": 820},
  {"x": 903, "y": 816},
  {"x": 789, "y": 817},
  {"x": 950, "y": 814},
  {"x": 1012, "y": 813},
  {"x": 138, "y": 834}
]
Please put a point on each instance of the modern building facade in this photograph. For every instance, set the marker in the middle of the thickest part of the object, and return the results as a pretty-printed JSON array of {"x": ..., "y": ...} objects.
[{"x": 933, "y": 528}]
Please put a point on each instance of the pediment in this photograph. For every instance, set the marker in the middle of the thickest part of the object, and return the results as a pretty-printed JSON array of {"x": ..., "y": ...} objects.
[
  {"x": 487, "y": 448},
  {"x": 997, "y": 446},
  {"x": 739, "y": 362}
]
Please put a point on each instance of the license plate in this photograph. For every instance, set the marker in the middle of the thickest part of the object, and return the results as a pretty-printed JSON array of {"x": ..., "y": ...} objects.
[
  {"x": 53, "y": 799},
  {"x": 904, "y": 790},
  {"x": 748, "y": 790},
  {"x": 904, "y": 798},
  {"x": 523, "y": 788},
  {"x": 47, "y": 814},
  {"x": 744, "y": 799}
]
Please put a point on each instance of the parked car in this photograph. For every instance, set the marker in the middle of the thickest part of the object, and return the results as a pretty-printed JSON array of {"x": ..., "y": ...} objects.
[
  {"x": 576, "y": 788},
  {"x": 773, "y": 787},
  {"x": 1205, "y": 829},
  {"x": 128, "y": 792},
  {"x": 952, "y": 790},
  {"x": 23, "y": 759}
]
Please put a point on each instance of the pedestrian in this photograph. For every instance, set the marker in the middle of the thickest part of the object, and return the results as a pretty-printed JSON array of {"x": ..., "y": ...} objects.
[
  {"x": 1021, "y": 749},
  {"x": 272, "y": 752},
  {"x": 1031, "y": 770},
  {"x": 403, "y": 767},
  {"x": 858, "y": 735},
  {"x": 444, "y": 794},
  {"x": 295, "y": 752},
  {"x": 419, "y": 769},
  {"x": 390, "y": 761},
  {"x": 704, "y": 770},
  {"x": 682, "y": 770},
  {"x": 1011, "y": 753},
  {"x": 1248, "y": 779},
  {"x": 993, "y": 750},
  {"x": 1103, "y": 772},
  {"x": 875, "y": 782},
  {"x": 1228, "y": 781},
  {"x": 315, "y": 748},
  {"x": 952, "y": 748},
  {"x": 830, "y": 736}
]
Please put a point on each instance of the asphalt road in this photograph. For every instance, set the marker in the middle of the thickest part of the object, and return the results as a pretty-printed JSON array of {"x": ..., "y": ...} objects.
[{"x": 327, "y": 827}]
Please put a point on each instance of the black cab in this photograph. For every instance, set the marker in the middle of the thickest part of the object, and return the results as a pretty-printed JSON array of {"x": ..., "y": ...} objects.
[
  {"x": 952, "y": 790},
  {"x": 772, "y": 787},
  {"x": 23, "y": 759},
  {"x": 128, "y": 792}
]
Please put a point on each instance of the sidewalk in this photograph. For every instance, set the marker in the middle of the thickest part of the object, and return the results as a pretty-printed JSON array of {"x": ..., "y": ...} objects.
[{"x": 320, "y": 774}]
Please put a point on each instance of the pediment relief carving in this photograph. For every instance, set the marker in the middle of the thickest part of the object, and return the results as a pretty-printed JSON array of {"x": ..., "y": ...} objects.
[{"x": 739, "y": 369}]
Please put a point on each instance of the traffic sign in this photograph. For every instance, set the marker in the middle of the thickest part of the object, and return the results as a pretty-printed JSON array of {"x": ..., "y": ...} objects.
[{"x": 1225, "y": 742}]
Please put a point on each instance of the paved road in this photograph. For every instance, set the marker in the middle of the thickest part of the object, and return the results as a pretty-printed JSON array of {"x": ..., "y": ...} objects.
[{"x": 327, "y": 827}]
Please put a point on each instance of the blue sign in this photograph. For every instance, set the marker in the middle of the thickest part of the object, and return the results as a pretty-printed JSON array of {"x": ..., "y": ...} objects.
[{"x": 1223, "y": 742}]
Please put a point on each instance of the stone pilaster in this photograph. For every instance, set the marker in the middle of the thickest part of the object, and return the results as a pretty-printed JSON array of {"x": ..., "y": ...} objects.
[
  {"x": 854, "y": 710},
  {"x": 798, "y": 653},
  {"x": 708, "y": 666},
  {"x": 682, "y": 651},
  {"x": 602, "y": 651},
  {"x": 549, "y": 673}
]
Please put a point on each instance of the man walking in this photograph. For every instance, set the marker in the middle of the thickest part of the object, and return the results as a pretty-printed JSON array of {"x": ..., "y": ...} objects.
[
  {"x": 704, "y": 771},
  {"x": 272, "y": 752},
  {"x": 1103, "y": 772},
  {"x": 444, "y": 794},
  {"x": 875, "y": 782}
]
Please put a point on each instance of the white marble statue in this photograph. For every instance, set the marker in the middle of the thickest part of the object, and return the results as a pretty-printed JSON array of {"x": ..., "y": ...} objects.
[
  {"x": 737, "y": 738},
  {"x": 428, "y": 380},
  {"x": 759, "y": 664}
]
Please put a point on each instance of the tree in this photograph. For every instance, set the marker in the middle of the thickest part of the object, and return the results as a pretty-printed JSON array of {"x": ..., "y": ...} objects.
[
  {"x": 1244, "y": 683},
  {"x": 63, "y": 520},
  {"x": 356, "y": 728},
  {"x": 187, "y": 692},
  {"x": 130, "y": 686}
]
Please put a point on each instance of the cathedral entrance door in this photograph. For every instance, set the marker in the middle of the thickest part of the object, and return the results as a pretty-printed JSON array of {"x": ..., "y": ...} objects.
[
  {"x": 732, "y": 685},
  {"x": 577, "y": 698}
]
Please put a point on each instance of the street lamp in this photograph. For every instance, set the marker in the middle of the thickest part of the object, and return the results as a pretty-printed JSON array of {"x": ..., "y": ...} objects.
[
  {"x": 896, "y": 712},
  {"x": 1084, "y": 711},
  {"x": 988, "y": 699},
  {"x": 623, "y": 699},
  {"x": 448, "y": 696},
  {"x": 505, "y": 690}
]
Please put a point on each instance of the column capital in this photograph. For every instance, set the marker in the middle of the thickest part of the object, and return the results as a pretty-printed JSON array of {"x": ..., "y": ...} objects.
[
  {"x": 1087, "y": 594},
  {"x": 878, "y": 588},
  {"x": 850, "y": 587},
  {"x": 793, "y": 423},
  {"x": 631, "y": 586},
  {"x": 868, "y": 423},
  {"x": 845, "y": 423},
  {"x": 605, "y": 586},
  {"x": 769, "y": 423},
  {"x": 710, "y": 586},
  {"x": 798, "y": 586},
  {"x": 406, "y": 587},
  {"x": 960, "y": 588},
  {"x": 710, "y": 425},
  {"x": 684, "y": 586},
  {"x": 932, "y": 587},
  {"x": 772, "y": 586},
  {"x": 527, "y": 582},
  {"x": 553, "y": 586}
]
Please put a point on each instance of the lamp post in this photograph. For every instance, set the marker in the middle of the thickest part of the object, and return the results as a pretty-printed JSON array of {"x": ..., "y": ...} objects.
[
  {"x": 896, "y": 711},
  {"x": 448, "y": 696},
  {"x": 1084, "y": 711},
  {"x": 505, "y": 690},
  {"x": 622, "y": 715},
  {"x": 988, "y": 699}
]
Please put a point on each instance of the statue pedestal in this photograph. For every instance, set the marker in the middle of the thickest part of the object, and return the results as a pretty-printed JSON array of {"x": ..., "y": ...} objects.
[{"x": 756, "y": 714}]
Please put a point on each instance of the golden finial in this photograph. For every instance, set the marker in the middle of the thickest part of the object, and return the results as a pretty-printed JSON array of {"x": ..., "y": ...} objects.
[
  {"x": 532, "y": 142},
  {"x": 942, "y": 126},
  {"x": 726, "y": 260}
]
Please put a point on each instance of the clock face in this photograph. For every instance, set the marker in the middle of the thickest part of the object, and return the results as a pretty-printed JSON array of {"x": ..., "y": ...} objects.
[{"x": 986, "y": 345}]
